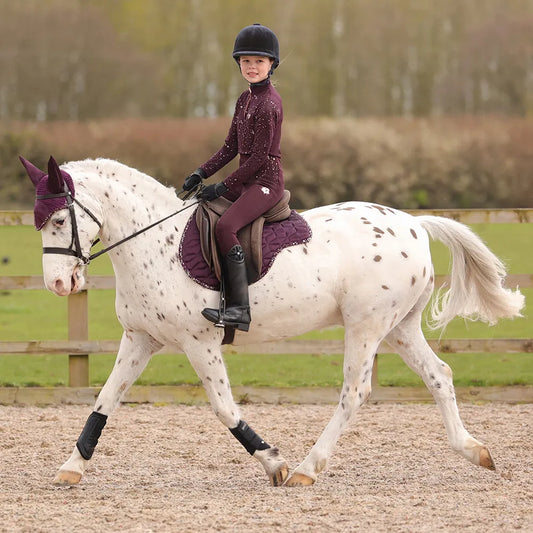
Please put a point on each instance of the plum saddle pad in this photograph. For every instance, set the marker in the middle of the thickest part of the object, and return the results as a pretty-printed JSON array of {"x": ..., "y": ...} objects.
[{"x": 276, "y": 236}]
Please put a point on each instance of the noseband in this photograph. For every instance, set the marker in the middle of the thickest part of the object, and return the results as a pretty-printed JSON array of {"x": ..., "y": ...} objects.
[{"x": 74, "y": 248}]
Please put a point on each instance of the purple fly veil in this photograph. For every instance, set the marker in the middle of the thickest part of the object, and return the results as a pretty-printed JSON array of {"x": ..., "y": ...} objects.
[
  {"x": 48, "y": 184},
  {"x": 56, "y": 183},
  {"x": 35, "y": 174}
]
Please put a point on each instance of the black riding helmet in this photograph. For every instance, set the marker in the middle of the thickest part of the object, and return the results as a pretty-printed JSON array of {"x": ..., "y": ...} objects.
[{"x": 257, "y": 40}]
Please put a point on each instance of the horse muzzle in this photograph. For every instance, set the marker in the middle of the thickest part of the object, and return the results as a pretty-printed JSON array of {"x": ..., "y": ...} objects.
[{"x": 64, "y": 286}]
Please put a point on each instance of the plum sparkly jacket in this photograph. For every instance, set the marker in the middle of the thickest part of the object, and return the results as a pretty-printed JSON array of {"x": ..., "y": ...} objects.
[{"x": 254, "y": 134}]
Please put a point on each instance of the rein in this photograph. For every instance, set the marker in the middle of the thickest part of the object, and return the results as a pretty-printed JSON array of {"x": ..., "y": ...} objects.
[
  {"x": 129, "y": 237},
  {"x": 76, "y": 251}
]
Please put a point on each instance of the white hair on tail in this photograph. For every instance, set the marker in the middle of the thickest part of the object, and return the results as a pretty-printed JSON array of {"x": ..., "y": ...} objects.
[{"x": 476, "y": 290}]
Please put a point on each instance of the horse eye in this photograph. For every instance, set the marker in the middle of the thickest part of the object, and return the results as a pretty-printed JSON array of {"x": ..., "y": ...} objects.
[{"x": 59, "y": 222}]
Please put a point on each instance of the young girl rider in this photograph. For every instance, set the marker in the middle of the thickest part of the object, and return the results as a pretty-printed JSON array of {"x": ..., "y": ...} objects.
[{"x": 257, "y": 185}]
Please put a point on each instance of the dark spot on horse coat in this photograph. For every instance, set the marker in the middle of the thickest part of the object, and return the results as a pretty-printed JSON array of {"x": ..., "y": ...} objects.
[
  {"x": 377, "y": 230},
  {"x": 385, "y": 287},
  {"x": 378, "y": 207},
  {"x": 391, "y": 232},
  {"x": 404, "y": 254},
  {"x": 413, "y": 233},
  {"x": 413, "y": 280},
  {"x": 377, "y": 258}
]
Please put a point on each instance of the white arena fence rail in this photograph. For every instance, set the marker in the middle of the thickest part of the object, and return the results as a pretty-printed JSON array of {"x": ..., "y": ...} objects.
[{"x": 78, "y": 346}]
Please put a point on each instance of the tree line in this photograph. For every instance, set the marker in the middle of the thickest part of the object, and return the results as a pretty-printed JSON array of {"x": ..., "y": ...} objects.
[
  {"x": 92, "y": 59},
  {"x": 446, "y": 162}
]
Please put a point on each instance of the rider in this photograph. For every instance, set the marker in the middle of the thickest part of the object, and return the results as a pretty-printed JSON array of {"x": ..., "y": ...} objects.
[{"x": 257, "y": 185}]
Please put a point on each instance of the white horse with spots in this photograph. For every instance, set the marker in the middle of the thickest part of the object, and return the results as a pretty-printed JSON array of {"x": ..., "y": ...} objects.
[{"x": 367, "y": 268}]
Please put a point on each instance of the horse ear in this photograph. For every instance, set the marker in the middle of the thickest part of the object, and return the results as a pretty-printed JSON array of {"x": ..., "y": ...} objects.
[
  {"x": 35, "y": 174},
  {"x": 55, "y": 179}
]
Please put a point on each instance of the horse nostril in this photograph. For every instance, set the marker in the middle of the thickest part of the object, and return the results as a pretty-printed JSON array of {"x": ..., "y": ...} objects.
[{"x": 58, "y": 286}]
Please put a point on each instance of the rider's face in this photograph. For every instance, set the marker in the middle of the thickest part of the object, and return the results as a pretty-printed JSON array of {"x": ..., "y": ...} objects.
[{"x": 255, "y": 68}]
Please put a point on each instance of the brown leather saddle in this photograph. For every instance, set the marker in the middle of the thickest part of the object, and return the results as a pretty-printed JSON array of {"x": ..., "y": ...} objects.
[{"x": 250, "y": 236}]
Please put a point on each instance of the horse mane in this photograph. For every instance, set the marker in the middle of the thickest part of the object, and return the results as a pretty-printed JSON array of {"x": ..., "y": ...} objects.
[{"x": 109, "y": 168}]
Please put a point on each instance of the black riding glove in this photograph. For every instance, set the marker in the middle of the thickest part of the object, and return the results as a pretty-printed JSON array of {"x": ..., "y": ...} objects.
[
  {"x": 194, "y": 179},
  {"x": 213, "y": 191}
]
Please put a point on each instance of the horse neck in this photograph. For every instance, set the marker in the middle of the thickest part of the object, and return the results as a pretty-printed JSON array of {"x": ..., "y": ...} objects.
[{"x": 127, "y": 199}]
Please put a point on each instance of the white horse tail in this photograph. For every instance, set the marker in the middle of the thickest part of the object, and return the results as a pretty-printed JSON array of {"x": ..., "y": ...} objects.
[{"x": 476, "y": 289}]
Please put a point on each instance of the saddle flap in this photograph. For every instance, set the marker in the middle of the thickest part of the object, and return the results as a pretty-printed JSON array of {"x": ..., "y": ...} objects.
[{"x": 206, "y": 220}]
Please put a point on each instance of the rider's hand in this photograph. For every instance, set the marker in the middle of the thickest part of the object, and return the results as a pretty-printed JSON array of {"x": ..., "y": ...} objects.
[
  {"x": 213, "y": 191},
  {"x": 194, "y": 179}
]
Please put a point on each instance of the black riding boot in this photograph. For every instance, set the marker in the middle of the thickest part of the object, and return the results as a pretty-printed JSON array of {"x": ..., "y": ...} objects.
[{"x": 237, "y": 312}]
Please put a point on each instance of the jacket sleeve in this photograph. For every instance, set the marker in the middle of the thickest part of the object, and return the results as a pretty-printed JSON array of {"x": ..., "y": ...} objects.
[
  {"x": 264, "y": 127},
  {"x": 228, "y": 151}
]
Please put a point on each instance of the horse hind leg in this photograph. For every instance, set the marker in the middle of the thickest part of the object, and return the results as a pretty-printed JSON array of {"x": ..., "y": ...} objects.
[
  {"x": 408, "y": 340},
  {"x": 358, "y": 360}
]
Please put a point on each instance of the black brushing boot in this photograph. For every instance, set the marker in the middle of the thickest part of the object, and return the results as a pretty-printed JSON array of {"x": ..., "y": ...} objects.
[{"x": 237, "y": 312}]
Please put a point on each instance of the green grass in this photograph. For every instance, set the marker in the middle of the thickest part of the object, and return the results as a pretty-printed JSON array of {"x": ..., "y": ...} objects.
[
  {"x": 39, "y": 315},
  {"x": 274, "y": 370}
]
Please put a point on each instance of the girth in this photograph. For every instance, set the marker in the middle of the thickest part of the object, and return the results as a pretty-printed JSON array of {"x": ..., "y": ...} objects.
[{"x": 250, "y": 237}]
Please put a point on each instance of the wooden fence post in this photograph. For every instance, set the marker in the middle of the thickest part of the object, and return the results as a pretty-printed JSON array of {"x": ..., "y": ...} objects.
[{"x": 78, "y": 330}]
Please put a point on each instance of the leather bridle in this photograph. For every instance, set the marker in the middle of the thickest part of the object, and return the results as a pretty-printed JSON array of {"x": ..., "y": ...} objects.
[{"x": 74, "y": 248}]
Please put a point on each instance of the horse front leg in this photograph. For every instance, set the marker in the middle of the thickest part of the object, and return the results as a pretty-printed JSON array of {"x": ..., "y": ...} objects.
[
  {"x": 358, "y": 361},
  {"x": 134, "y": 353},
  {"x": 209, "y": 365}
]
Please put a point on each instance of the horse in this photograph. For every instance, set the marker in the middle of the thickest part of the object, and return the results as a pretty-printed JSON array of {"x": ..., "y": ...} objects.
[{"x": 367, "y": 267}]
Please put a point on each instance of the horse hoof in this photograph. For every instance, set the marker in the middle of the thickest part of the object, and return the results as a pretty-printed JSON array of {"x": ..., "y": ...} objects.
[
  {"x": 485, "y": 459},
  {"x": 299, "y": 480},
  {"x": 67, "y": 477},
  {"x": 278, "y": 478}
]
